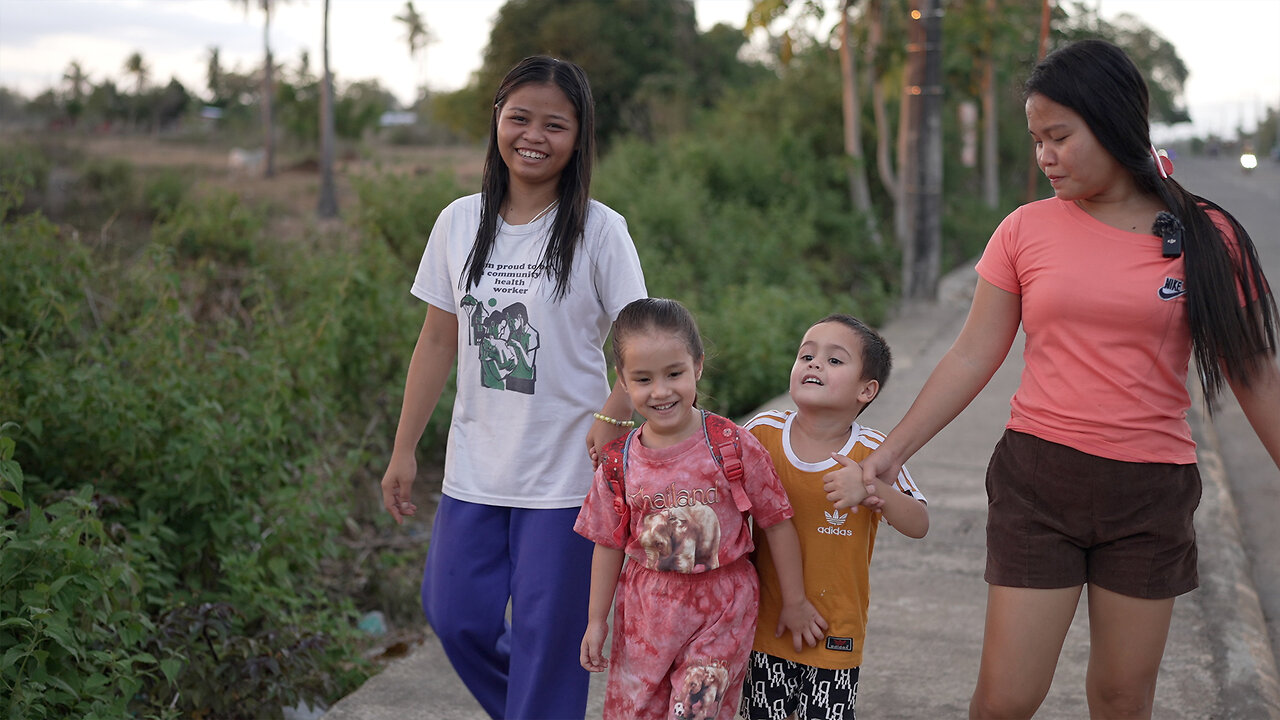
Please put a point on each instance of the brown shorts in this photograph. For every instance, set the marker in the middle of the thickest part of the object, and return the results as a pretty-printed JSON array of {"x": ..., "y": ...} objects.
[{"x": 1058, "y": 517}]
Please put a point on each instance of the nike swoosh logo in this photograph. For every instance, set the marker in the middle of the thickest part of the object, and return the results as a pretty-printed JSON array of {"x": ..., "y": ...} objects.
[{"x": 1167, "y": 294}]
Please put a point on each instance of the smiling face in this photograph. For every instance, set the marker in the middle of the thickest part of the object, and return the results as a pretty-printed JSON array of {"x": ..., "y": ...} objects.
[
  {"x": 661, "y": 377},
  {"x": 537, "y": 133},
  {"x": 827, "y": 374},
  {"x": 1078, "y": 167}
]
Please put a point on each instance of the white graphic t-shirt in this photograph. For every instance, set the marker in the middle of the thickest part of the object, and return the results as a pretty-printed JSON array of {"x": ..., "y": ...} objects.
[{"x": 531, "y": 368}]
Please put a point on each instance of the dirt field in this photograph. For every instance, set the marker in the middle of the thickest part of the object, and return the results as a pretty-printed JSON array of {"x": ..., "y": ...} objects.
[{"x": 296, "y": 184}]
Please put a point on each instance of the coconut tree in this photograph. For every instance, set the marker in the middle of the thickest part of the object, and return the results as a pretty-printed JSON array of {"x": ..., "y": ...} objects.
[
  {"x": 859, "y": 191},
  {"x": 268, "y": 85},
  {"x": 76, "y": 80},
  {"x": 1033, "y": 168},
  {"x": 136, "y": 67},
  {"x": 417, "y": 35},
  {"x": 762, "y": 14},
  {"x": 327, "y": 206}
]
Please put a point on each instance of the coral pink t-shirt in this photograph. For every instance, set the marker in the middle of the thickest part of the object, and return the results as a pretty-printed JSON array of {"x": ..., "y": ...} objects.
[{"x": 1107, "y": 339}]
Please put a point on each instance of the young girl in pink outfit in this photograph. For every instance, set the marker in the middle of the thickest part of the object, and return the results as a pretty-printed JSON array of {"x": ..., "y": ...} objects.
[{"x": 663, "y": 499}]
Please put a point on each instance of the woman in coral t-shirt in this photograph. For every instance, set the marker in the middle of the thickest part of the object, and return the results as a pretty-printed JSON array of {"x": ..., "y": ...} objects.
[{"x": 1117, "y": 281}]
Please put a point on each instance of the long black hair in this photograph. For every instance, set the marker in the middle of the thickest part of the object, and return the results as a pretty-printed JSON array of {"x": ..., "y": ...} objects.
[
  {"x": 1098, "y": 81},
  {"x": 575, "y": 180}
]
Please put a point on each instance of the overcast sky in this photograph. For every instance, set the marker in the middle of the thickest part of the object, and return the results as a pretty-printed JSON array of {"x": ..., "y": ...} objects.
[{"x": 1232, "y": 47}]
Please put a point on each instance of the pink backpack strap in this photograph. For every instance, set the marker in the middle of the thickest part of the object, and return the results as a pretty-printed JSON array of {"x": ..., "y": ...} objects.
[
  {"x": 725, "y": 443},
  {"x": 615, "y": 463}
]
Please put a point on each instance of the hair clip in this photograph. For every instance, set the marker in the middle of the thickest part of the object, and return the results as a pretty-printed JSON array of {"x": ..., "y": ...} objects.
[{"x": 1163, "y": 164}]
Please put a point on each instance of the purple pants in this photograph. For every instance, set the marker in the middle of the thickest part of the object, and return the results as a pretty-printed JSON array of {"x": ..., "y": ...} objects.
[{"x": 481, "y": 557}]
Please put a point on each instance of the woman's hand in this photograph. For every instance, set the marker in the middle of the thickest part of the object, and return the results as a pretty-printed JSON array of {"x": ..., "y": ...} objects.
[
  {"x": 397, "y": 486},
  {"x": 601, "y": 433},
  {"x": 845, "y": 487}
]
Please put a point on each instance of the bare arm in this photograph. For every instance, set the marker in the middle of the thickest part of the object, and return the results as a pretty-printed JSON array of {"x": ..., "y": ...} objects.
[
  {"x": 433, "y": 359},
  {"x": 1260, "y": 401},
  {"x": 606, "y": 564},
  {"x": 798, "y": 614},
  {"x": 905, "y": 513},
  {"x": 618, "y": 407},
  {"x": 975, "y": 356}
]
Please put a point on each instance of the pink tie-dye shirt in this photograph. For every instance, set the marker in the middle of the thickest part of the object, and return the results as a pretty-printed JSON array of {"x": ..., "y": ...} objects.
[{"x": 683, "y": 517}]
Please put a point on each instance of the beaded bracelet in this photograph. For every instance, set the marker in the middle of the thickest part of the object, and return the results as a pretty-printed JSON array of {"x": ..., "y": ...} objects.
[{"x": 612, "y": 421}]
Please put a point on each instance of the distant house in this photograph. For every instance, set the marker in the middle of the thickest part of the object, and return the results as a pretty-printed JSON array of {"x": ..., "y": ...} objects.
[
  {"x": 397, "y": 119},
  {"x": 211, "y": 112}
]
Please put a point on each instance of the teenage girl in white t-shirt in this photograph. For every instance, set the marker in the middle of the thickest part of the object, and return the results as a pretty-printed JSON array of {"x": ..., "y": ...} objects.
[{"x": 539, "y": 271}]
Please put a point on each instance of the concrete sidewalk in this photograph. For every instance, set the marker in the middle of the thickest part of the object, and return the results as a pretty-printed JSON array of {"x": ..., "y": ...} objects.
[{"x": 928, "y": 598}]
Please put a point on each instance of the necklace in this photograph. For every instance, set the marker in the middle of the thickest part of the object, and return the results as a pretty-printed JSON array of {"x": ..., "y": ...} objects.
[{"x": 539, "y": 216}]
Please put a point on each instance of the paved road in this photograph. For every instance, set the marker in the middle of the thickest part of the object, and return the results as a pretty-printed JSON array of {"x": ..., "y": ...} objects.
[{"x": 1254, "y": 480}]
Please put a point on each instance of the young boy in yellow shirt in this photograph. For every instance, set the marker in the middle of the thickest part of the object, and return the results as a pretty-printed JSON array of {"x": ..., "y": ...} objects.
[{"x": 840, "y": 368}]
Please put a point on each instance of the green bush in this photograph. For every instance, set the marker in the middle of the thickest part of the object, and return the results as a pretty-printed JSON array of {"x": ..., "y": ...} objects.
[
  {"x": 23, "y": 170},
  {"x": 197, "y": 399},
  {"x": 74, "y": 625},
  {"x": 219, "y": 227},
  {"x": 401, "y": 211},
  {"x": 163, "y": 192},
  {"x": 758, "y": 244}
]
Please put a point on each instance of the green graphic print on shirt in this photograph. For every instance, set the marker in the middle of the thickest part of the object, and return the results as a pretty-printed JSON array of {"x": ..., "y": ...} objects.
[{"x": 506, "y": 342}]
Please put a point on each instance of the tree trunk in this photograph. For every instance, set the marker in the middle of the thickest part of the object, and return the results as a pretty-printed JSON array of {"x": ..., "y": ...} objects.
[
  {"x": 990, "y": 121},
  {"x": 859, "y": 192},
  {"x": 268, "y": 90},
  {"x": 884, "y": 157},
  {"x": 1033, "y": 170},
  {"x": 327, "y": 206}
]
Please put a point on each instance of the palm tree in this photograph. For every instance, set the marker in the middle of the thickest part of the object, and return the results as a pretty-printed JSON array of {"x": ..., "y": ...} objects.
[
  {"x": 1033, "y": 168},
  {"x": 416, "y": 34},
  {"x": 213, "y": 76},
  {"x": 137, "y": 67},
  {"x": 990, "y": 118},
  {"x": 859, "y": 191},
  {"x": 76, "y": 78},
  {"x": 268, "y": 86},
  {"x": 327, "y": 206}
]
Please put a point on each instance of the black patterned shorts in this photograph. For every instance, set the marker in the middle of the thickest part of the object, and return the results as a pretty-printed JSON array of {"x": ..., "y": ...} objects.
[{"x": 775, "y": 688}]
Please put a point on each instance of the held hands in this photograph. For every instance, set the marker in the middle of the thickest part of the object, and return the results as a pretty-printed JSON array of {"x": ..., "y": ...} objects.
[
  {"x": 601, "y": 433},
  {"x": 397, "y": 484},
  {"x": 592, "y": 654},
  {"x": 846, "y": 488},
  {"x": 804, "y": 621}
]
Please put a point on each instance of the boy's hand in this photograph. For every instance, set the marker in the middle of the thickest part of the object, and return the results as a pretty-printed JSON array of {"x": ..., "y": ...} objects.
[
  {"x": 592, "y": 654},
  {"x": 805, "y": 623},
  {"x": 845, "y": 488}
]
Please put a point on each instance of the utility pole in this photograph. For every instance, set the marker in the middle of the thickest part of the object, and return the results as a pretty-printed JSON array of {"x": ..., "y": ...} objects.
[{"x": 922, "y": 155}]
